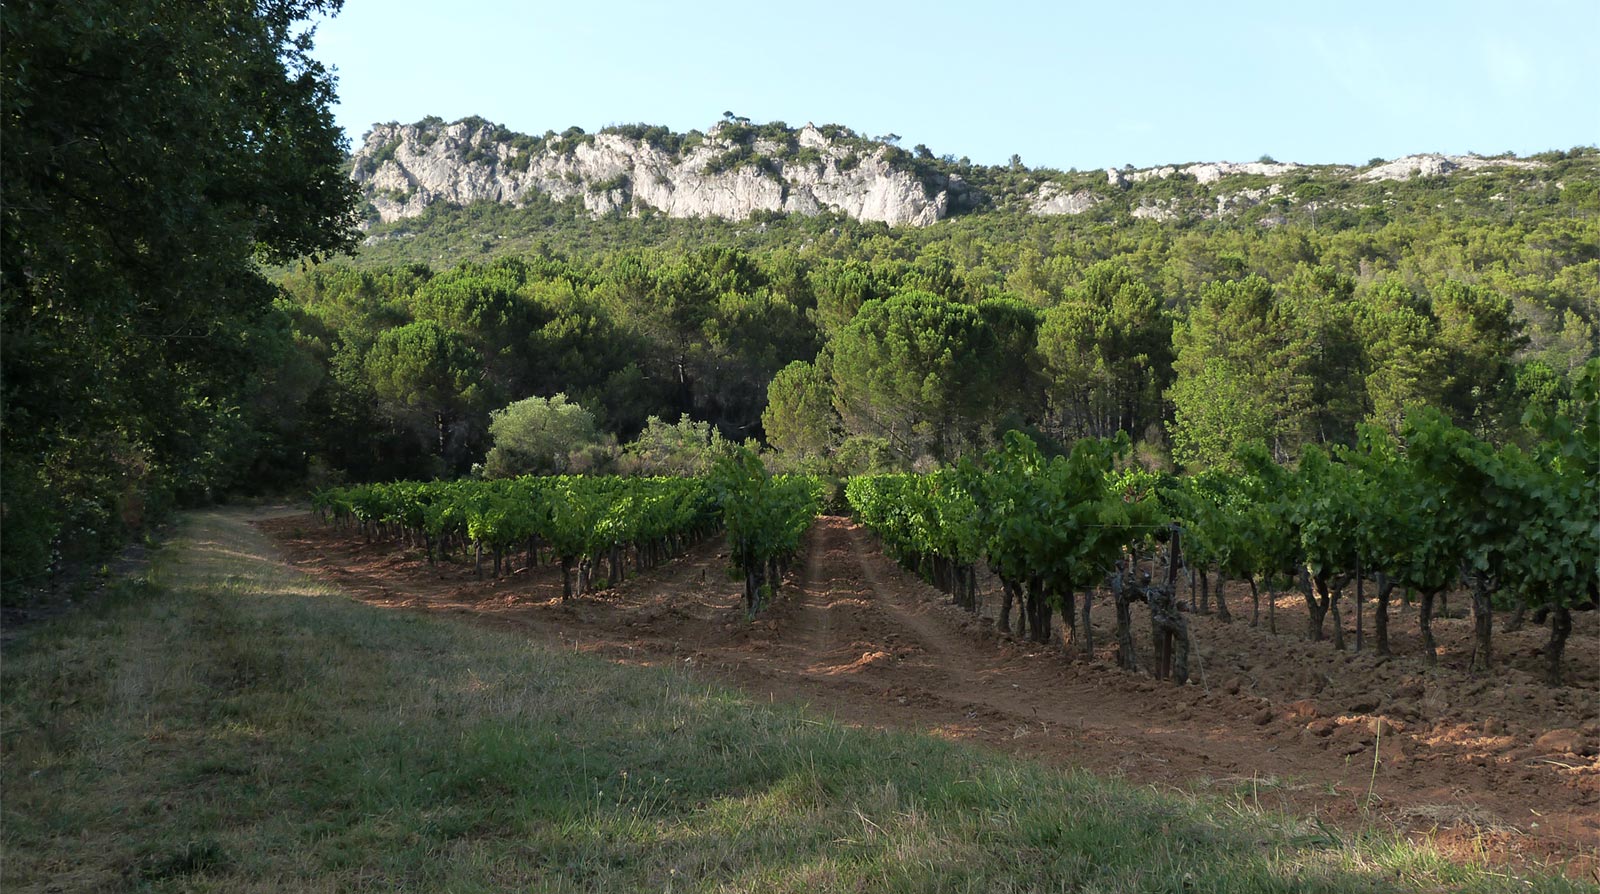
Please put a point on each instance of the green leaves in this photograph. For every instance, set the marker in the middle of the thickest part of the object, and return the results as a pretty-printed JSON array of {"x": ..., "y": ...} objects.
[
  {"x": 765, "y": 514},
  {"x": 1064, "y": 521},
  {"x": 154, "y": 153}
]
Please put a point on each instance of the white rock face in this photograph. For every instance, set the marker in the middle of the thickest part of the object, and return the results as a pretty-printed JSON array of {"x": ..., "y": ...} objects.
[
  {"x": 1234, "y": 202},
  {"x": 1212, "y": 171},
  {"x": 1431, "y": 165},
  {"x": 1161, "y": 209},
  {"x": 1204, "y": 172},
  {"x": 1052, "y": 199},
  {"x": 405, "y": 168}
]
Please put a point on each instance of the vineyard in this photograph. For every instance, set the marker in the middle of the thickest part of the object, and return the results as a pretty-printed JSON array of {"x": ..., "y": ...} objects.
[
  {"x": 1417, "y": 512},
  {"x": 1346, "y": 558},
  {"x": 590, "y": 524}
]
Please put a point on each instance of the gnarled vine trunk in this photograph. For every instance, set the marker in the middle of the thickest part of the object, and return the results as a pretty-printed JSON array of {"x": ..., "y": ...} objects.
[
  {"x": 1560, "y": 629},
  {"x": 1430, "y": 648},
  {"x": 1380, "y": 614},
  {"x": 1482, "y": 622}
]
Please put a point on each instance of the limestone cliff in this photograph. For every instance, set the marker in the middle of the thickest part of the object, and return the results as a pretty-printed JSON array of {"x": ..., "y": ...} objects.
[
  {"x": 731, "y": 171},
  {"x": 736, "y": 169}
]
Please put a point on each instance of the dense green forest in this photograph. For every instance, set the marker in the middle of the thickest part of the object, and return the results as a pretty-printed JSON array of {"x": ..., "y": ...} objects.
[{"x": 855, "y": 346}]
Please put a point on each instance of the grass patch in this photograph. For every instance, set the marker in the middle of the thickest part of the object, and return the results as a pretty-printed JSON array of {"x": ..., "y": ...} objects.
[{"x": 230, "y": 725}]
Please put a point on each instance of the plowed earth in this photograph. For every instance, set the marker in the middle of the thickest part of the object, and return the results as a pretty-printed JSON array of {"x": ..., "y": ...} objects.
[{"x": 1499, "y": 766}]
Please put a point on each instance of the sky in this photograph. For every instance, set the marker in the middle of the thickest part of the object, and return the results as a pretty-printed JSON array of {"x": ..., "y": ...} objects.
[{"x": 1063, "y": 84}]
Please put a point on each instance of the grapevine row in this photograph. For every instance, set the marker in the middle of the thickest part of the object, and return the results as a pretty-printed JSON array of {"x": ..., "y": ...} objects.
[
  {"x": 1424, "y": 510},
  {"x": 592, "y": 523}
]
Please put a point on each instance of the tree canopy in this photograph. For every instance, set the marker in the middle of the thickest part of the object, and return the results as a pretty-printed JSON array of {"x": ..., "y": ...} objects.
[{"x": 154, "y": 152}]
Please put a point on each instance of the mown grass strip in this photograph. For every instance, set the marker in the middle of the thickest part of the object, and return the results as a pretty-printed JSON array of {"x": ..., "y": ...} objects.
[{"x": 230, "y": 725}]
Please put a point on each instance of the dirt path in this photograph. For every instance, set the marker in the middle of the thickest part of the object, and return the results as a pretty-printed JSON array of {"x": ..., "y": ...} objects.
[{"x": 1274, "y": 721}]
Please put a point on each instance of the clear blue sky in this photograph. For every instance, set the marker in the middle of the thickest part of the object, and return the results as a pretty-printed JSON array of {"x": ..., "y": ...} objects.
[{"x": 1064, "y": 84}]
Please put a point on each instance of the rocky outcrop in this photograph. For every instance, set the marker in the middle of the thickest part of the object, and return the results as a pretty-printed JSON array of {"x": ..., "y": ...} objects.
[
  {"x": 1204, "y": 172},
  {"x": 735, "y": 170},
  {"x": 1158, "y": 209},
  {"x": 1053, "y": 199},
  {"x": 405, "y": 168},
  {"x": 1431, "y": 165}
]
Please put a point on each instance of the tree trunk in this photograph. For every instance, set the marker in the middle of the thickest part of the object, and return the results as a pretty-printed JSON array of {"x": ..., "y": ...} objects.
[
  {"x": 1482, "y": 623},
  {"x": 1430, "y": 649},
  {"x": 1120, "y": 592},
  {"x": 1223, "y": 614},
  {"x": 566, "y": 578},
  {"x": 1272, "y": 609},
  {"x": 477, "y": 559},
  {"x": 1316, "y": 604},
  {"x": 1560, "y": 628},
  {"x": 1380, "y": 614},
  {"x": 1204, "y": 607},
  {"x": 1008, "y": 593},
  {"x": 1038, "y": 608}
]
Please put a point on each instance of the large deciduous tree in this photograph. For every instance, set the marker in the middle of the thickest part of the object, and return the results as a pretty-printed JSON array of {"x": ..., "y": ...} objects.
[{"x": 153, "y": 152}]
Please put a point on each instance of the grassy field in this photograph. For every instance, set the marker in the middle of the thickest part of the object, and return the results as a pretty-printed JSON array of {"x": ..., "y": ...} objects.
[{"x": 230, "y": 725}]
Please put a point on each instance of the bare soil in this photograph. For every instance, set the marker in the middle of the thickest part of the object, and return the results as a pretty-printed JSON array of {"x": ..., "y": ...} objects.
[{"x": 1498, "y": 766}]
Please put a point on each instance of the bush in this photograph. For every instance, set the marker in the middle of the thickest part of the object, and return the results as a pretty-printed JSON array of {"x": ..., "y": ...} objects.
[{"x": 539, "y": 436}]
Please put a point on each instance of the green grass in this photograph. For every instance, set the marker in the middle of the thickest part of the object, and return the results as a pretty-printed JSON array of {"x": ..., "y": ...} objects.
[{"x": 229, "y": 725}]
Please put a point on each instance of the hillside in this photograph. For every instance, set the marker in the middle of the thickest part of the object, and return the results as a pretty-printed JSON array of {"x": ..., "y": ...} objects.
[{"x": 736, "y": 170}]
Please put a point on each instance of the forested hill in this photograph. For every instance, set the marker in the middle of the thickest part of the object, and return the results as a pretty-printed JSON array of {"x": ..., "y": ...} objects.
[
  {"x": 736, "y": 170},
  {"x": 1342, "y": 296}
]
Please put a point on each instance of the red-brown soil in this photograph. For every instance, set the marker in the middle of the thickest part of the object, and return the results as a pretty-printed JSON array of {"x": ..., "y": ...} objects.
[{"x": 1499, "y": 765}]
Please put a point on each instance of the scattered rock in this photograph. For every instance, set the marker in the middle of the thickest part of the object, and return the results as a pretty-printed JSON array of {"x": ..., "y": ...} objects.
[
  {"x": 1409, "y": 689},
  {"x": 1382, "y": 726},
  {"x": 1303, "y": 709},
  {"x": 1563, "y": 741}
]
